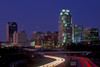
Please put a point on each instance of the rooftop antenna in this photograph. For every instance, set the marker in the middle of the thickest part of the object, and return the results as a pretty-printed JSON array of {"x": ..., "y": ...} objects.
[
  {"x": 22, "y": 27},
  {"x": 37, "y": 27}
]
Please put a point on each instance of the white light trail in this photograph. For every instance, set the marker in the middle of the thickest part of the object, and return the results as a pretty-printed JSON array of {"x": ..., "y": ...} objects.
[{"x": 58, "y": 61}]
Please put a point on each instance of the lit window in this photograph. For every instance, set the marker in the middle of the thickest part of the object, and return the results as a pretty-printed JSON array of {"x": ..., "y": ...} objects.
[
  {"x": 62, "y": 18},
  {"x": 63, "y": 21},
  {"x": 64, "y": 38},
  {"x": 67, "y": 11},
  {"x": 61, "y": 13},
  {"x": 63, "y": 34},
  {"x": 65, "y": 24},
  {"x": 63, "y": 10}
]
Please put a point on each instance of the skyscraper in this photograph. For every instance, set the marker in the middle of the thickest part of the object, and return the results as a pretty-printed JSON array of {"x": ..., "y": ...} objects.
[
  {"x": 65, "y": 27},
  {"x": 11, "y": 27},
  {"x": 90, "y": 34},
  {"x": 76, "y": 33}
]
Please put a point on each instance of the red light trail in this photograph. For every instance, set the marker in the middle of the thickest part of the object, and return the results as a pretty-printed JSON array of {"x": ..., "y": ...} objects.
[{"x": 85, "y": 62}]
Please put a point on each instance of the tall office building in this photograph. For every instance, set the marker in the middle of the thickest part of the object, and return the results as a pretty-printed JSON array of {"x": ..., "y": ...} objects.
[
  {"x": 11, "y": 27},
  {"x": 90, "y": 34},
  {"x": 65, "y": 27},
  {"x": 37, "y": 37},
  {"x": 54, "y": 38},
  {"x": 20, "y": 37},
  {"x": 76, "y": 33}
]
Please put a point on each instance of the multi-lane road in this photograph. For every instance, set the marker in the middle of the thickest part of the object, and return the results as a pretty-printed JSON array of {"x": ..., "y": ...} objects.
[{"x": 84, "y": 62}]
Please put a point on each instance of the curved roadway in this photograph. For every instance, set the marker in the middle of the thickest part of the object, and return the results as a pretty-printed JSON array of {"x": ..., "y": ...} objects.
[{"x": 58, "y": 61}]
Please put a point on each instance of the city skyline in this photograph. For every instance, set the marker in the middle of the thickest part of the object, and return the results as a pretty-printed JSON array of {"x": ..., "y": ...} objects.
[
  {"x": 46, "y": 16},
  {"x": 49, "y": 33}
]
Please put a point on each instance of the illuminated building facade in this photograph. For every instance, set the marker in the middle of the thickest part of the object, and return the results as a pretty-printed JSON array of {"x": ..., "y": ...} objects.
[
  {"x": 20, "y": 37},
  {"x": 76, "y": 33},
  {"x": 11, "y": 27},
  {"x": 47, "y": 41},
  {"x": 54, "y": 37},
  {"x": 48, "y": 33},
  {"x": 90, "y": 34},
  {"x": 65, "y": 27},
  {"x": 37, "y": 37}
]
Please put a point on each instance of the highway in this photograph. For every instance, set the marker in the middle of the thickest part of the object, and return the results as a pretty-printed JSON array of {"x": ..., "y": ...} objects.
[
  {"x": 84, "y": 62},
  {"x": 58, "y": 61},
  {"x": 67, "y": 52}
]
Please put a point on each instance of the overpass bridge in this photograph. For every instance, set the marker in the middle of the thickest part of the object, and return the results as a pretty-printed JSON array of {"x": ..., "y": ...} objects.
[{"x": 67, "y": 52}]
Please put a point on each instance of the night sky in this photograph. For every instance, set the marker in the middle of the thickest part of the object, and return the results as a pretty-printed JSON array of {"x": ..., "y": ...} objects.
[{"x": 45, "y": 14}]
